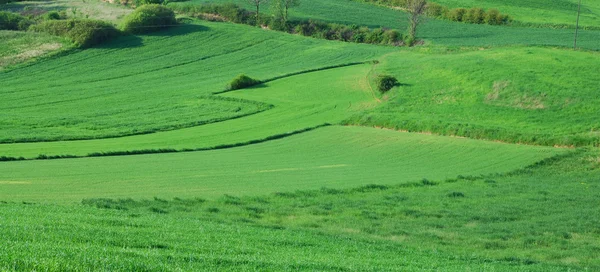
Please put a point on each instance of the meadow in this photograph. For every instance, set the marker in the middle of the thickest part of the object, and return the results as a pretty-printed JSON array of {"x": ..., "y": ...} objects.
[
  {"x": 530, "y": 95},
  {"x": 135, "y": 156}
]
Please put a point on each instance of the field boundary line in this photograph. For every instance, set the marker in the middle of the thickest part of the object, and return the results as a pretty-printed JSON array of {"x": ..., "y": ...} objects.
[
  {"x": 299, "y": 73},
  {"x": 164, "y": 150}
]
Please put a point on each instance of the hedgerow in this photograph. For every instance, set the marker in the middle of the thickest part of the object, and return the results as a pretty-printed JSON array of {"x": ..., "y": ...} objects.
[
  {"x": 83, "y": 32},
  {"x": 13, "y": 21},
  {"x": 310, "y": 28}
]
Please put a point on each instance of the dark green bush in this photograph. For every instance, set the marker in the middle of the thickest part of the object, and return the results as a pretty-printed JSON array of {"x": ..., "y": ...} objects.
[
  {"x": 242, "y": 81},
  {"x": 149, "y": 18},
  {"x": 386, "y": 83},
  {"x": 83, "y": 32},
  {"x": 55, "y": 15},
  {"x": 13, "y": 21},
  {"x": 434, "y": 10}
]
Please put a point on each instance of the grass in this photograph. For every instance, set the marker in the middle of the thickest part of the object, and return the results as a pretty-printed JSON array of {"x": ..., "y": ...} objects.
[
  {"x": 561, "y": 12},
  {"x": 438, "y": 32},
  {"x": 108, "y": 97},
  {"x": 337, "y": 157},
  {"x": 22, "y": 47},
  {"x": 530, "y": 95},
  {"x": 538, "y": 219}
]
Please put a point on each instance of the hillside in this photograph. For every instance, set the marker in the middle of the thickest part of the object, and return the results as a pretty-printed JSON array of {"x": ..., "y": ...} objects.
[{"x": 135, "y": 155}]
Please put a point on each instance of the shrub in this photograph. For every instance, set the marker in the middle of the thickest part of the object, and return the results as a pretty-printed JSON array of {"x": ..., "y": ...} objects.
[
  {"x": 149, "y": 18},
  {"x": 475, "y": 16},
  {"x": 13, "y": 21},
  {"x": 457, "y": 14},
  {"x": 386, "y": 83},
  {"x": 55, "y": 15},
  {"x": 242, "y": 81},
  {"x": 434, "y": 10},
  {"x": 83, "y": 32},
  {"x": 391, "y": 36},
  {"x": 494, "y": 17}
]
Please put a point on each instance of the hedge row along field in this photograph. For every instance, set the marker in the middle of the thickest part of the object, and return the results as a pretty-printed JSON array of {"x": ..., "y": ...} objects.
[{"x": 438, "y": 32}]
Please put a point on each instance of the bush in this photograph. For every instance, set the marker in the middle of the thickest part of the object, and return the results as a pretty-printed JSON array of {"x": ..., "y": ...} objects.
[
  {"x": 494, "y": 17},
  {"x": 386, "y": 83},
  {"x": 434, "y": 10},
  {"x": 149, "y": 18},
  {"x": 55, "y": 15},
  {"x": 457, "y": 14},
  {"x": 13, "y": 21},
  {"x": 242, "y": 81},
  {"x": 475, "y": 16},
  {"x": 83, "y": 32}
]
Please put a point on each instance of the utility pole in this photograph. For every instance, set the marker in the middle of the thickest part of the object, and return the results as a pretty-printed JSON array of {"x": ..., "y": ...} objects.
[{"x": 577, "y": 25}]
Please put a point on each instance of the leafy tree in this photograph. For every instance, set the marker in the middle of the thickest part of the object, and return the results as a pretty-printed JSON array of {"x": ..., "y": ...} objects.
[
  {"x": 415, "y": 9},
  {"x": 257, "y": 4}
]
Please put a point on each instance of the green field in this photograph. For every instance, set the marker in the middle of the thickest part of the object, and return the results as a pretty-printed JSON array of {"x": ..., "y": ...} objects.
[
  {"x": 133, "y": 156},
  {"x": 538, "y": 11},
  {"x": 438, "y": 32},
  {"x": 531, "y": 95},
  {"x": 337, "y": 157}
]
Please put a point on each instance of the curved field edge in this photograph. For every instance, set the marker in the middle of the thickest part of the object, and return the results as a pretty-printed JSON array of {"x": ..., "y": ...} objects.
[
  {"x": 299, "y": 102},
  {"x": 333, "y": 156},
  {"x": 140, "y": 84}
]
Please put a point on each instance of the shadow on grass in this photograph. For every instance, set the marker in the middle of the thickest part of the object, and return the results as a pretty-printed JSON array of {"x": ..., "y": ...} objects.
[{"x": 177, "y": 30}]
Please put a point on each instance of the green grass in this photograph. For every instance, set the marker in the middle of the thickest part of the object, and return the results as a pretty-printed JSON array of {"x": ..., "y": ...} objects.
[
  {"x": 538, "y": 219},
  {"x": 138, "y": 85},
  {"x": 20, "y": 47},
  {"x": 300, "y": 102},
  {"x": 538, "y": 11},
  {"x": 93, "y": 9},
  {"x": 531, "y": 95},
  {"x": 338, "y": 157},
  {"x": 439, "y": 32}
]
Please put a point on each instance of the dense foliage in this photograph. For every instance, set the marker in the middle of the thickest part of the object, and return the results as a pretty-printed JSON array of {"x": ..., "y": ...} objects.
[
  {"x": 386, "y": 83},
  {"x": 83, "y": 32},
  {"x": 242, "y": 81},
  {"x": 149, "y": 18},
  {"x": 13, "y": 21}
]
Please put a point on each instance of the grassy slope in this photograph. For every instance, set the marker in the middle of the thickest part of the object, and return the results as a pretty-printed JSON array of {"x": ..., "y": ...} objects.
[
  {"x": 339, "y": 157},
  {"x": 538, "y": 11},
  {"x": 534, "y": 95},
  {"x": 539, "y": 219},
  {"x": 18, "y": 47},
  {"x": 438, "y": 32},
  {"x": 300, "y": 102},
  {"x": 155, "y": 82}
]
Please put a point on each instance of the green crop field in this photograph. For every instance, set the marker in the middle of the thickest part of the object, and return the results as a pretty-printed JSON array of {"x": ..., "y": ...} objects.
[
  {"x": 134, "y": 155},
  {"x": 538, "y": 11},
  {"x": 439, "y": 32},
  {"x": 533, "y": 95}
]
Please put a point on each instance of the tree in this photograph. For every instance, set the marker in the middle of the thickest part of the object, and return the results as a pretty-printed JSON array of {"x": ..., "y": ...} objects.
[
  {"x": 287, "y": 4},
  {"x": 415, "y": 9},
  {"x": 280, "y": 20},
  {"x": 257, "y": 4}
]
